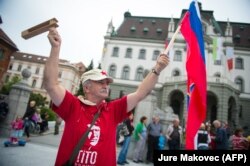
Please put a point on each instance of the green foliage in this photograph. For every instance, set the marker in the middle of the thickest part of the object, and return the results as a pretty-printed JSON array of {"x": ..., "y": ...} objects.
[
  {"x": 7, "y": 87},
  {"x": 80, "y": 90},
  {"x": 41, "y": 103},
  {"x": 99, "y": 66},
  {"x": 51, "y": 113},
  {"x": 40, "y": 100},
  {"x": 91, "y": 66}
]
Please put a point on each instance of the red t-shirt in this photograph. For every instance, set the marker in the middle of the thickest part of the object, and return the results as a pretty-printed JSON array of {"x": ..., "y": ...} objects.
[{"x": 99, "y": 147}]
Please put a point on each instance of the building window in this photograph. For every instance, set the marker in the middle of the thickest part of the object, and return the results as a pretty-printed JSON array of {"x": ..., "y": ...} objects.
[
  {"x": 128, "y": 53},
  {"x": 142, "y": 54},
  {"x": 112, "y": 70},
  {"x": 132, "y": 29},
  {"x": 125, "y": 73},
  {"x": 115, "y": 52},
  {"x": 241, "y": 112},
  {"x": 204, "y": 28},
  {"x": 178, "y": 55},
  {"x": 42, "y": 86},
  {"x": 139, "y": 74},
  {"x": 217, "y": 62},
  {"x": 156, "y": 53},
  {"x": 159, "y": 31},
  {"x": 239, "y": 64},
  {"x": 7, "y": 78},
  {"x": 145, "y": 30},
  {"x": 10, "y": 66},
  {"x": 1, "y": 53},
  {"x": 19, "y": 68},
  {"x": 60, "y": 74},
  {"x": 122, "y": 93},
  {"x": 217, "y": 75},
  {"x": 239, "y": 82},
  {"x": 33, "y": 84},
  {"x": 176, "y": 73},
  {"x": 37, "y": 70},
  {"x": 237, "y": 38}
]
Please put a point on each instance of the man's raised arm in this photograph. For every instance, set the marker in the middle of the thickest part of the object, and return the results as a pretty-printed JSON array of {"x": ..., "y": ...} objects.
[
  {"x": 148, "y": 83},
  {"x": 50, "y": 79}
]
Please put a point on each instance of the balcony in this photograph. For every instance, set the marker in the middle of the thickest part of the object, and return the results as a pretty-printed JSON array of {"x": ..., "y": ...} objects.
[{"x": 210, "y": 79}]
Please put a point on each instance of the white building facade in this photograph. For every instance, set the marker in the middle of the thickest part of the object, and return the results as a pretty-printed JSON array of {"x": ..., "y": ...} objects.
[{"x": 131, "y": 51}]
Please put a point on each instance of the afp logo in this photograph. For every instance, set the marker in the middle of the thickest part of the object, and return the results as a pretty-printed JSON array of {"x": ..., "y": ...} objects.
[{"x": 234, "y": 157}]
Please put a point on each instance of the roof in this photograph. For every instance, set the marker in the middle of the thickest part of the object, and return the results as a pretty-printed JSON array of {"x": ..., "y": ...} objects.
[
  {"x": 32, "y": 58},
  {"x": 156, "y": 28},
  {"x": 7, "y": 40},
  {"x": 241, "y": 33}
]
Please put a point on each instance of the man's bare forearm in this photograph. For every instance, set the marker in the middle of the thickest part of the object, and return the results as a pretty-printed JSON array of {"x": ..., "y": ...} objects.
[
  {"x": 55, "y": 91},
  {"x": 148, "y": 83},
  {"x": 51, "y": 69}
]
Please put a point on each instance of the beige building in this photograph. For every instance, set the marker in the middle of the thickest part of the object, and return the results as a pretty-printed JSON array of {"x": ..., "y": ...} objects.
[
  {"x": 7, "y": 47},
  {"x": 133, "y": 48},
  {"x": 69, "y": 74}
]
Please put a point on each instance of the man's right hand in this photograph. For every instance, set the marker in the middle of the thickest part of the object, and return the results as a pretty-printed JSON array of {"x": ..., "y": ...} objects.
[
  {"x": 54, "y": 89},
  {"x": 54, "y": 37}
]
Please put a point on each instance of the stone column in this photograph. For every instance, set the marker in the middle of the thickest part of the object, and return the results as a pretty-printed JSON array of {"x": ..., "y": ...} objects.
[{"x": 18, "y": 101}]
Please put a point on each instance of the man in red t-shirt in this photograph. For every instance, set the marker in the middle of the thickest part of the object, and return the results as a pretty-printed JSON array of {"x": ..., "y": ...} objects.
[{"x": 99, "y": 147}]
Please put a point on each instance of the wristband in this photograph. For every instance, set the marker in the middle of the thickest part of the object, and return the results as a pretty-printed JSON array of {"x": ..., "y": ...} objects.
[{"x": 155, "y": 72}]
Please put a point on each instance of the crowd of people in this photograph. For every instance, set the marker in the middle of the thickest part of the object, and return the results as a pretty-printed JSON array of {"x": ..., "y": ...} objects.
[
  {"x": 32, "y": 120},
  {"x": 215, "y": 136}
]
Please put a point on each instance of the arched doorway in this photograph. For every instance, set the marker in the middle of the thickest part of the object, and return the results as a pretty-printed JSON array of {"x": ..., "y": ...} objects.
[
  {"x": 212, "y": 103},
  {"x": 176, "y": 102}
]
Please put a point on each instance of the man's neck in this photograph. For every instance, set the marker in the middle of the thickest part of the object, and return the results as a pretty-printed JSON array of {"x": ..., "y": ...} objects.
[{"x": 89, "y": 102}]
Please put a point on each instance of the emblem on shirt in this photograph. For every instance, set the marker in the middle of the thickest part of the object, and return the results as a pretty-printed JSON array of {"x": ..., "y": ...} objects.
[{"x": 94, "y": 135}]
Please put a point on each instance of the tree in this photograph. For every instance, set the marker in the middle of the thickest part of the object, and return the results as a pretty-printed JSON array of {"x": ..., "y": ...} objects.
[
  {"x": 91, "y": 66},
  {"x": 42, "y": 103},
  {"x": 99, "y": 66},
  {"x": 51, "y": 113},
  {"x": 40, "y": 100},
  {"x": 80, "y": 90},
  {"x": 7, "y": 87}
]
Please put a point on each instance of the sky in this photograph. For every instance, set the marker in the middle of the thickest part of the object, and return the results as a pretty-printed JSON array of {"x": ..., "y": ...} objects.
[{"x": 83, "y": 23}]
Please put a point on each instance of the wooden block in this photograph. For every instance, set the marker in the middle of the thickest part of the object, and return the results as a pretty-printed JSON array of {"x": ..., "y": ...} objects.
[{"x": 40, "y": 28}]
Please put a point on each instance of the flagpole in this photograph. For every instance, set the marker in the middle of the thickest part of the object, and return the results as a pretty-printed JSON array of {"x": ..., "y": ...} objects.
[{"x": 172, "y": 41}]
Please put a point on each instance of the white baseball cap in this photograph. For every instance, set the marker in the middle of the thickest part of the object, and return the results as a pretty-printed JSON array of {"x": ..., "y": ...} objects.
[{"x": 96, "y": 75}]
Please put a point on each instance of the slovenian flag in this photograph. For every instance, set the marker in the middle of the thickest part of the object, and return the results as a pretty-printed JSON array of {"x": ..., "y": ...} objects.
[{"x": 191, "y": 29}]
